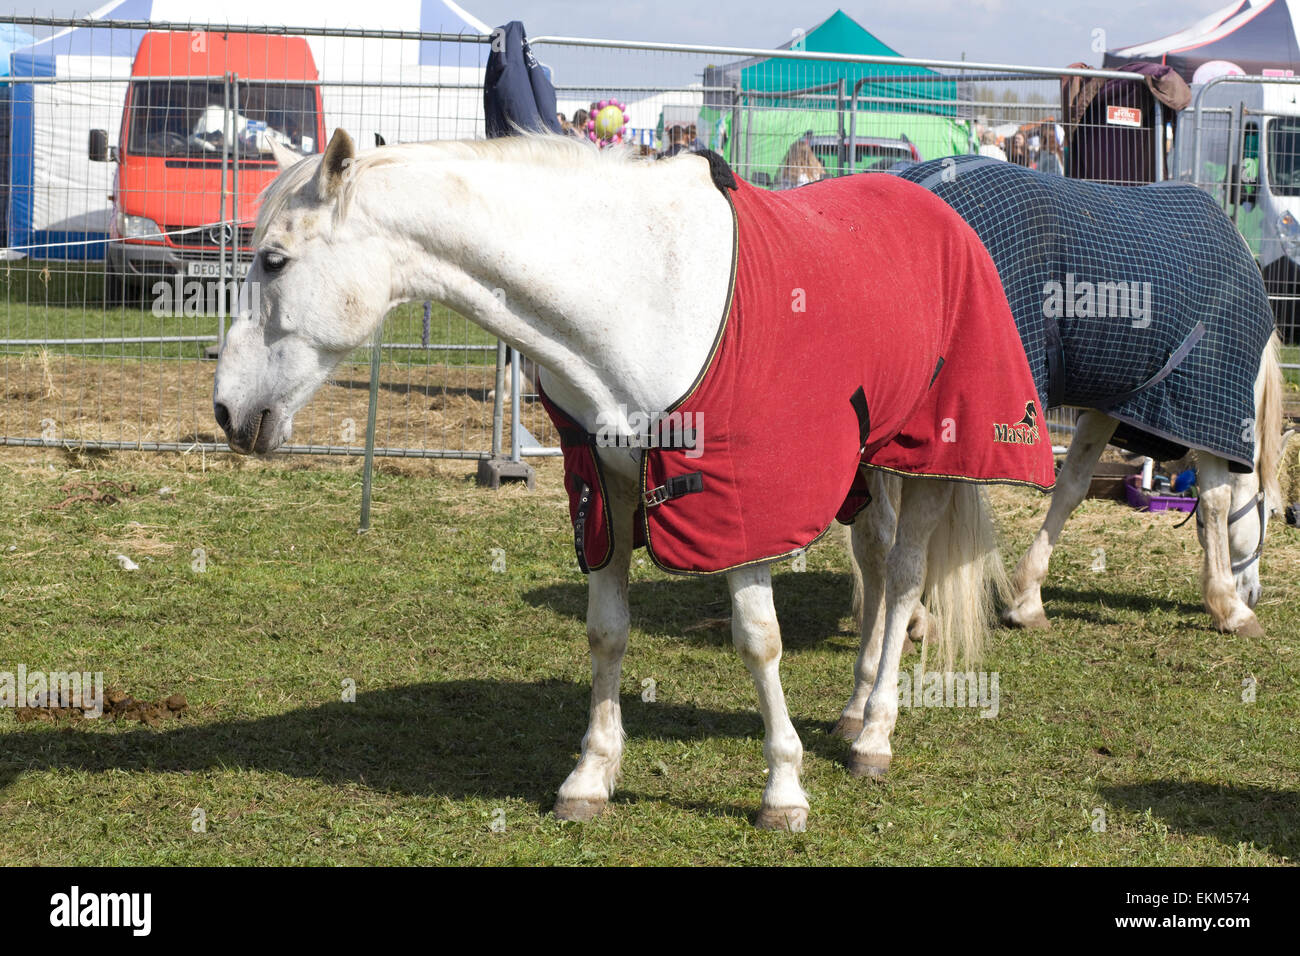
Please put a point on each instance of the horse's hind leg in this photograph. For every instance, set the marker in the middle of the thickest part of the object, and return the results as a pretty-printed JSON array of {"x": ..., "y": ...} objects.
[
  {"x": 1218, "y": 587},
  {"x": 757, "y": 637},
  {"x": 924, "y": 503},
  {"x": 587, "y": 789},
  {"x": 1092, "y": 431},
  {"x": 872, "y": 535}
]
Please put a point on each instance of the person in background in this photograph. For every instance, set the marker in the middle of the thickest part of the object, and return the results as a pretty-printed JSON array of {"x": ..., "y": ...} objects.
[
  {"x": 800, "y": 166},
  {"x": 565, "y": 126},
  {"x": 989, "y": 145},
  {"x": 693, "y": 138},
  {"x": 1050, "y": 159},
  {"x": 1018, "y": 150},
  {"x": 579, "y": 127},
  {"x": 677, "y": 141}
]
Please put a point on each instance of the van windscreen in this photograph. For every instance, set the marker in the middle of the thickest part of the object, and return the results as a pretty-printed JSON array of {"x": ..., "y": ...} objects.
[
  {"x": 188, "y": 118},
  {"x": 1284, "y": 156}
]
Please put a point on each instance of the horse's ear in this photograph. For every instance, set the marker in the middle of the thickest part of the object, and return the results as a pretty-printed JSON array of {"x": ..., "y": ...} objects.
[
  {"x": 284, "y": 156},
  {"x": 338, "y": 155}
]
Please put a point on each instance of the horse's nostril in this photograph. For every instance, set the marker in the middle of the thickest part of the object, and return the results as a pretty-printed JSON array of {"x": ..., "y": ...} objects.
[{"x": 223, "y": 416}]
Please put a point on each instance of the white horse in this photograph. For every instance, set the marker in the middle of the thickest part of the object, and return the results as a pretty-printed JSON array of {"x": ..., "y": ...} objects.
[{"x": 487, "y": 229}]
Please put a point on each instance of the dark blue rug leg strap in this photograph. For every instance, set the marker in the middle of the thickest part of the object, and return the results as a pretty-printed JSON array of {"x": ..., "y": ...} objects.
[{"x": 1174, "y": 361}]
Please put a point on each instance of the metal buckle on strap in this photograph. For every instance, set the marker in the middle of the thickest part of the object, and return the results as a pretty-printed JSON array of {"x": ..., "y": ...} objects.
[{"x": 675, "y": 488}]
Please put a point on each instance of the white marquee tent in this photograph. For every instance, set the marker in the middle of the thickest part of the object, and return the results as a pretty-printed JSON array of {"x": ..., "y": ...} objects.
[{"x": 59, "y": 206}]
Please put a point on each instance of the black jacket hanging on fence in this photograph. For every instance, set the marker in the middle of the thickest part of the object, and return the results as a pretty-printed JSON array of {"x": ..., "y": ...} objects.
[{"x": 516, "y": 89}]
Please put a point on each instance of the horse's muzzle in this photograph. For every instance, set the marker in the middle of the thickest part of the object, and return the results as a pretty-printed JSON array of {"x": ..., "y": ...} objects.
[{"x": 253, "y": 436}]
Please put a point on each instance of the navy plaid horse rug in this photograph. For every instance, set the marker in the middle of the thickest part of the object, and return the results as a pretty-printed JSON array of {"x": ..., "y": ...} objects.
[{"x": 1142, "y": 302}]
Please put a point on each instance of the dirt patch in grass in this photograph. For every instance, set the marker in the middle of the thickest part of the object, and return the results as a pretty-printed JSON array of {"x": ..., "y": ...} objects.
[
  {"x": 117, "y": 705},
  {"x": 95, "y": 492},
  {"x": 68, "y": 398}
]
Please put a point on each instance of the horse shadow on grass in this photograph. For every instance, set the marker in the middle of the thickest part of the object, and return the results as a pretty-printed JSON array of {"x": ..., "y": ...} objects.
[
  {"x": 1267, "y": 818},
  {"x": 455, "y": 739},
  {"x": 810, "y": 607},
  {"x": 1093, "y": 606}
]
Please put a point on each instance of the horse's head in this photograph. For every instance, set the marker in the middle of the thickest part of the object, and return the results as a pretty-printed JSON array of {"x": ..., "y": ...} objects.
[{"x": 319, "y": 284}]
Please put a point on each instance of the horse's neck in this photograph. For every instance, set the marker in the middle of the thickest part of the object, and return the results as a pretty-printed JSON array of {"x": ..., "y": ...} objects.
[{"x": 612, "y": 276}]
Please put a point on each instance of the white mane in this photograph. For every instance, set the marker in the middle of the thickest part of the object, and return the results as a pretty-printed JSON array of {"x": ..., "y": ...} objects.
[{"x": 537, "y": 149}]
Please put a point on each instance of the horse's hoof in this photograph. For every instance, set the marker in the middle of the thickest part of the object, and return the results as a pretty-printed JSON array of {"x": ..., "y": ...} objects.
[
  {"x": 1037, "y": 621},
  {"x": 874, "y": 766},
  {"x": 791, "y": 819},
  {"x": 578, "y": 811},
  {"x": 847, "y": 728}
]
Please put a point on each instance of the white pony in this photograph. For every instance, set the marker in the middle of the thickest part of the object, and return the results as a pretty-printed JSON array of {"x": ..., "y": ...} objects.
[{"x": 487, "y": 229}]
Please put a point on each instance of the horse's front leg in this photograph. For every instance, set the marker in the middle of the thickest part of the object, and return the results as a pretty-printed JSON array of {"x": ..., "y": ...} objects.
[
  {"x": 924, "y": 503},
  {"x": 1092, "y": 432},
  {"x": 872, "y": 535},
  {"x": 590, "y": 785},
  {"x": 1218, "y": 586},
  {"x": 757, "y": 637}
]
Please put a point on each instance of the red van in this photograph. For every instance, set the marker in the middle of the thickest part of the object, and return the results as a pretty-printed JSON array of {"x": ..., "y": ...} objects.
[{"x": 198, "y": 102}]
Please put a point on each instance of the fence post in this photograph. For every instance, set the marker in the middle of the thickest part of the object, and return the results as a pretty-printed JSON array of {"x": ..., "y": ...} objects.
[
  {"x": 1159, "y": 121},
  {"x": 515, "y": 380},
  {"x": 733, "y": 143},
  {"x": 842, "y": 146},
  {"x": 226, "y": 120},
  {"x": 498, "y": 399},
  {"x": 496, "y": 469},
  {"x": 233, "y": 232},
  {"x": 368, "y": 468}
]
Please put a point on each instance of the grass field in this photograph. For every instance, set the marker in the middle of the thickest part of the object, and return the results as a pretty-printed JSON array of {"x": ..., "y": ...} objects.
[{"x": 472, "y": 688}]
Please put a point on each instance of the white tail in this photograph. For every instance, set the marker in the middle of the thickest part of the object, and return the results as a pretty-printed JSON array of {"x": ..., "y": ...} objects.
[
  {"x": 965, "y": 579},
  {"x": 1268, "y": 422}
]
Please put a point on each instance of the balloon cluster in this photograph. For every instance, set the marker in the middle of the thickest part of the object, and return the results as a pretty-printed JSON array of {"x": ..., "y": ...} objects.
[{"x": 608, "y": 123}]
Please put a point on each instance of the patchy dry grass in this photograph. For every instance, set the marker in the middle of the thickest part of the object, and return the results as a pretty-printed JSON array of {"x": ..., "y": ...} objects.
[{"x": 472, "y": 686}]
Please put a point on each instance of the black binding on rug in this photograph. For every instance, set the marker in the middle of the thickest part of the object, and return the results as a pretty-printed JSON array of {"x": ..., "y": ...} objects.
[{"x": 722, "y": 175}]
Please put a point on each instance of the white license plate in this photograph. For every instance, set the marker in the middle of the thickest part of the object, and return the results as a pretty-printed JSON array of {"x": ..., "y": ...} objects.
[{"x": 212, "y": 270}]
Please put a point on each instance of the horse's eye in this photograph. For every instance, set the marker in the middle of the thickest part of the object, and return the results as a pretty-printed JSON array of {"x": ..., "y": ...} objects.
[{"x": 273, "y": 262}]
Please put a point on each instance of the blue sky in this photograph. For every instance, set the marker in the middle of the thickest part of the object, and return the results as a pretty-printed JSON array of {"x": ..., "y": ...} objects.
[
  {"x": 1037, "y": 32},
  {"x": 1045, "y": 32}
]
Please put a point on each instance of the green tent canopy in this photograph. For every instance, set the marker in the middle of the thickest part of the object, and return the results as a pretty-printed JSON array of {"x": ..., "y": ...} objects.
[
  {"x": 755, "y": 109},
  {"x": 757, "y": 79}
]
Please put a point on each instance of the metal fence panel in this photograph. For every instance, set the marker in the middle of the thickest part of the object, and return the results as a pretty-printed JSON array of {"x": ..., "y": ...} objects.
[{"x": 87, "y": 361}]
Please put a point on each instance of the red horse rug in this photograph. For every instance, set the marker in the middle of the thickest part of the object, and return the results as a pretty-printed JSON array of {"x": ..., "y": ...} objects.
[{"x": 866, "y": 325}]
